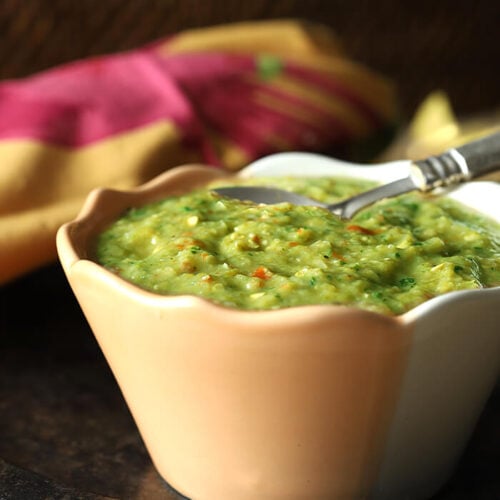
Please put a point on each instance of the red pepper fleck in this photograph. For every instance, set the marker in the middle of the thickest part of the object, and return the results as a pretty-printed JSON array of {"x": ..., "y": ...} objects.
[
  {"x": 262, "y": 273},
  {"x": 360, "y": 229},
  {"x": 337, "y": 256}
]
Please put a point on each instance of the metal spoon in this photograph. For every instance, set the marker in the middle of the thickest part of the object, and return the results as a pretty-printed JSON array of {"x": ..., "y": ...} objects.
[{"x": 455, "y": 165}]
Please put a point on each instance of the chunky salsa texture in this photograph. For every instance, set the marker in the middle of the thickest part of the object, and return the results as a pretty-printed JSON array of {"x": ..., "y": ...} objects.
[{"x": 389, "y": 258}]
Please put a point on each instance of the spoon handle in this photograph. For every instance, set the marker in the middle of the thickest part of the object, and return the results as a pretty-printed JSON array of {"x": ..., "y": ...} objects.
[
  {"x": 471, "y": 160},
  {"x": 482, "y": 156}
]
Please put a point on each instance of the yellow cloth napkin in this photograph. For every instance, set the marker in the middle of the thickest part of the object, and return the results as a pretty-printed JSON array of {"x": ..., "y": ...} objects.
[
  {"x": 223, "y": 96},
  {"x": 435, "y": 128}
]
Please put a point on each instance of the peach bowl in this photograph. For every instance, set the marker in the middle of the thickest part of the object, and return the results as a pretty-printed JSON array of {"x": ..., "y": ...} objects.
[{"x": 313, "y": 402}]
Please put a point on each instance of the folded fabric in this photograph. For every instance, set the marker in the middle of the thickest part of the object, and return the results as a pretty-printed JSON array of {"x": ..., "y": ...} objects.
[
  {"x": 222, "y": 95},
  {"x": 435, "y": 127}
]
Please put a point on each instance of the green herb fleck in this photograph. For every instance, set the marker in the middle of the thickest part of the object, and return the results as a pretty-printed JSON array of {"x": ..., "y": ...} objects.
[
  {"x": 476, "y": 270},
  {"x": 268, "y": 66},
  {"x": 406, "y": 283}
]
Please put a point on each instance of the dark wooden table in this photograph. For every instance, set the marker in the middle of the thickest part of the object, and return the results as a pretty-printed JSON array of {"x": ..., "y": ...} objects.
[{"x": 66, "y": 433}]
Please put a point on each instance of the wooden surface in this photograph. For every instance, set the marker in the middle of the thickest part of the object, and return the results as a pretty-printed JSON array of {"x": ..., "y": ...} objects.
[{"x": 66, "y": 433}]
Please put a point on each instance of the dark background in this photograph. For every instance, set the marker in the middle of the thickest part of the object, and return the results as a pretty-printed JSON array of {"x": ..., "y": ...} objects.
[
  {"x": 423, "y": 45},
  {"x": 65, "y": 431}
]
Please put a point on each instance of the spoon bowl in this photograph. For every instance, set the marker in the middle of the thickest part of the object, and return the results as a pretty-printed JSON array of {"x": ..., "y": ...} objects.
[{"x": 345, "y": 209}]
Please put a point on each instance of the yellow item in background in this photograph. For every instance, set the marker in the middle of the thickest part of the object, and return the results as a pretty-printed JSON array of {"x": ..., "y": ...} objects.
[
  {"x": 223, "y": 96},
  {"x": 434, "y": 128}
]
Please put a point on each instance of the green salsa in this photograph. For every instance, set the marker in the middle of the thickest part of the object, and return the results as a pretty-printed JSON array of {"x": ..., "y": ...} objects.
[{"x": 389, "y": 258}]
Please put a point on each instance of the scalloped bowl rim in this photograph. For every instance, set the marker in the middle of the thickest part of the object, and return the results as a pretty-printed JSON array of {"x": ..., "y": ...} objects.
[{"x": 271, "y": 165}]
